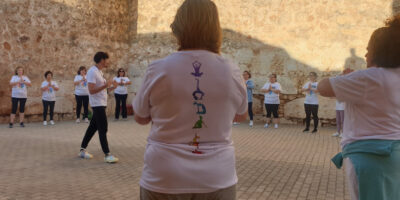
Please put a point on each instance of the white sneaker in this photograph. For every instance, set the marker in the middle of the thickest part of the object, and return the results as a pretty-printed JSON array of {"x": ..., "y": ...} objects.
[
  {"x": 266, "y": 125},
  {"x": 85, "y": 155},
  {"x": 276, "y": 126},
  {"x": 86, "y": 120},
  {"x": 52, "y": 122},
  {"x": 78, "y": 121},
  {"x": 236, "y": 123},
  {"x": 335, "y": 134},
  {"x": 340, "y": 135},
  {"x": 44, "y": 123},
  {"x": 251, "y": 123},
  {"x": 110, "y": 159}
]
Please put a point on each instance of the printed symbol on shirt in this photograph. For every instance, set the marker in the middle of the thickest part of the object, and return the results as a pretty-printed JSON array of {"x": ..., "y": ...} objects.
[
  {"x": 198, "y": 94},
  {"x": 199, "y": 123},
  {"x": 201, "y": 109},
  {"x": 196, "y": 67},
  {"x": 21, "y": 85},
  {"x": 50, "y": 89},
  {"x": 195, "y": 141},
  {"x": 84, "y": 83}
]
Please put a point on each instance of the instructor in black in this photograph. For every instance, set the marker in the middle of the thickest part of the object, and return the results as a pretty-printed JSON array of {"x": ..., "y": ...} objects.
[{"x": 98, "y": 86}]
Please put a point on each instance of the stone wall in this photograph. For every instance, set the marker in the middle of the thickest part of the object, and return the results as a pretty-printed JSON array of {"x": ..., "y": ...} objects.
[{"x": 60, "y": 35}]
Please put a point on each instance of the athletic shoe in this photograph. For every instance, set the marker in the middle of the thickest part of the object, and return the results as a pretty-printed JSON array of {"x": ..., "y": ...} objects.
[
  {"x": 22, "y": 124},
  {"x": 116, "y": 119},
  {"x": 110, "y": 159},
  {"x": 124, "y": 119},
  {"x": 10, "y": 125},
  {"x": 335, "y": 134},
  {"x": 276, "y": 126},
  {"x": 340, "y": 135},
  {"x": 44, "y": 123},
  {"x": 236, "y": 123},
  {"x": 306, "y": 130},
  {"x": 86, "y": 120},
  {"x": 251, "y": 123},
  {"x": 78, "y": 121},
  {"x": 85, "y": 155},
  {"x": 266, "y": 125},
  {"x": 314, "y": 131},
  {"x": 52, "y": 122}
]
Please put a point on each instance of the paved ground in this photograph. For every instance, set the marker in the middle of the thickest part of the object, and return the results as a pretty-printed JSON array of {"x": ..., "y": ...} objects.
[{"x": 41, "y": 163}]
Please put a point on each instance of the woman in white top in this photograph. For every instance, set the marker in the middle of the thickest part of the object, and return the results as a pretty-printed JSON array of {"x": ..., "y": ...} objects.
[
  {"x": 311, "y": 102},
  {"x": 49, "y": 88},
  {"x": 191, "y": 97},
  {"x": 19, "y": 82},
  {"x": 272, "y": 89},
  {"x": 81, "y": 94},
  {"x": 121, "y": 93}
]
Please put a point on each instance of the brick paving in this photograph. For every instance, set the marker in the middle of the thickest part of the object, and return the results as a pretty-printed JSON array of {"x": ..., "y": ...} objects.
[{"x": 41, "y": 163}]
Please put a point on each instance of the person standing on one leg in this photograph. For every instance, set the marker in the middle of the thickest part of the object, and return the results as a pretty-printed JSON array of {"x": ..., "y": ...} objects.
[
  {"x": 98, "y": 86},
  {"x": 121, "y": 93},
  {"x": 19, "y": 93},
  {"x": 272, "y": 89},
  {"x": 49, "y": 88},
  {"x": 311, "y": 102},
  {"x": 81, "y": 95},
  {"x": 250, "y": 87}
]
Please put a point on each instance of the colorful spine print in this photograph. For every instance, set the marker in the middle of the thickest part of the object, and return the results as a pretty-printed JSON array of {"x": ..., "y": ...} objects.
[{"x": 200, "y": 107}]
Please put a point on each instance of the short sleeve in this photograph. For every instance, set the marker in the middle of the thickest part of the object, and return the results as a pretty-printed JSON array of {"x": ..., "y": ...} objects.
[
  {"x": 115, "y": 79},
  {"x": 305, "y": 86},
  {"x": 55, "y": 84},
  {"x": 13, "y": 79},
  {"x": 141, "y": 102},
  {"x": 76, "y": 79},
  {"x": 27, "y": 79},
  {"x": 44, "y": 84},
  {"x": 279, "y": 87},
  {"x": 127, "y": 79},
  {"x": 91, "y": 77},
  {"x": 349, "y": 88},
  {"x": 266, "y": 86}
]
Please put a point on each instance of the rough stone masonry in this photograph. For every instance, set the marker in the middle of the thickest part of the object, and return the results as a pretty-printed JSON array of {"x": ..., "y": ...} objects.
[{"x": 290, "y": 38}]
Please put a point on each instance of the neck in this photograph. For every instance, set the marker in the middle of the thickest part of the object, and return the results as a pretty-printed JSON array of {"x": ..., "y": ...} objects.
[{"x": 99, "y": 66}]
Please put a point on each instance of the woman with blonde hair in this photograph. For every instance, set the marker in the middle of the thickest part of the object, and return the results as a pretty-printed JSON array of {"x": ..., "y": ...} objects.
[
  {"x": 191, "y": 98},
  {"x": 371, "y": 133}
]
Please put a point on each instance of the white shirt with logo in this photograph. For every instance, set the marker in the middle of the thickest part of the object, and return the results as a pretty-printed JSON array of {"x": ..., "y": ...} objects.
[
  {"x": 311, "y": 96},
  {"x": 19, "y": 90},
  {"x": 95, "y": 76},
  {"x": 81, "y": 89},
  {"x": 121, "y": 89},
  {"x": 271, "y": 97},
  {"x": 50, "y": 93}
]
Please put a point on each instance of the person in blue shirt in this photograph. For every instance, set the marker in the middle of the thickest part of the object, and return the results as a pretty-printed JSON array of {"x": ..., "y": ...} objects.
[{"x": 250, "y": 87}]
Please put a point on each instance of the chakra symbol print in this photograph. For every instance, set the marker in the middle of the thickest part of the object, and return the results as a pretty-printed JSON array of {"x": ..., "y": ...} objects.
[{"x": 200, "y": 108}]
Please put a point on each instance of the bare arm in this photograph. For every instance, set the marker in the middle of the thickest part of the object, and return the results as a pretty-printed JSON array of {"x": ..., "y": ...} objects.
[
  {"x": 94, "y": 90},
  {"x": 276, "y": 91},
  {"x": 325, "y": 88}
]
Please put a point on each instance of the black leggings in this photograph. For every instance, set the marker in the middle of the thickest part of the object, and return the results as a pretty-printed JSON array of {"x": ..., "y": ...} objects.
[
  {"x": 46, "y": 105},
  {"x": 98, "y": 123},
  {"x": 311, "y": 109},
  {"x": 120, "y": 99},
  {"x": 250, "y": 110},
  {"x": 272, "y": 109},
  {"x": 14, "y": 102},
  {"x": 79, "y": 101}
]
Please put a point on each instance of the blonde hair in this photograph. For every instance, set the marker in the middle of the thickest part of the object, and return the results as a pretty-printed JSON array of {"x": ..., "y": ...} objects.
[{"x": 196, "y": 26}]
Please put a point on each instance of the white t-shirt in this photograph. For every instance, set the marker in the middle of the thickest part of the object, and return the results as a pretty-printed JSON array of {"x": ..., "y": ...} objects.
[
  {"x": 167, "y": 95},
  {"x": 95, "y": 76},
  {"x": 19, "y": 90},
  {"x": 50, "y": 93},
  {"x": 81, "y": 89},
  {"x": 272, "y": 97},
  {"x": 372, "y": 99},
  {"x": 340, "y": 105},
  {"x": 311, "y": 96},
  {"x": 121, "y": 89}
]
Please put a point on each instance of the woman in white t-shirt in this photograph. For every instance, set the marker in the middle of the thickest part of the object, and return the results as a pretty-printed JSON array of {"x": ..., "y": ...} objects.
[
  {"x": 311, "y": 102},
  {"x": 81, "y": 94},
  {"x": 19, "y": 82},
  {"x": 121, "y": 93},
  {"x": 191, "y": 97},
  {"x": 272, "y": 89},
  {"x": 49, "y": 88},
  {"x": 371, "y": 132}
]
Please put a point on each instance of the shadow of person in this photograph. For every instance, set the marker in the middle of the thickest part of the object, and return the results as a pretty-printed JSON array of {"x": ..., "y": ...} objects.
[
  {"x": 396, "y": 7},
  {"x": 354, "y": 62}
]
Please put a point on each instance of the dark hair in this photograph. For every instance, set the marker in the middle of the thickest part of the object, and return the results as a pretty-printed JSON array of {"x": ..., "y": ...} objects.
[
  {"x": 120, "y": 70},
  {"x": 100, "y": 56},
  {"x": 80, "y": 69},
  {"x": 16, "y": 70},
  {"x": 248, "y": 73},
  {"x": 385, "y": 44},
  {"x": 47, "y": 73},
  {"x": 273, "y": 74}
]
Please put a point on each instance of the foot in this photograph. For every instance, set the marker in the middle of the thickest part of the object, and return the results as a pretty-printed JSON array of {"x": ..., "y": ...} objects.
[
  {"x": 10, "y": 125},
  {"x": 22, "y": 124},
  {"x": 335, "y": 134},
  {"x": 340, "y": 135},
  {"x": 78, "y": 121},
  {"x": 236, "y": 123},
  {"x": 276, "y": 126},
  {"x": 116, "y": 119},
  {"x": 124, "y": 119},
  {"x": 44, "y": 123},
  {"x": 86, "y": 120},
  {"x": 110, "y": 159},
  {"x": 306, "y": 130},
  {"x": 52, "y": 122},
  {"x": 314, "y": 131},
  {"x": 251, "y": 124},
  {"x": 266, "y": 125},
  {"x": 85, "y": 155}
]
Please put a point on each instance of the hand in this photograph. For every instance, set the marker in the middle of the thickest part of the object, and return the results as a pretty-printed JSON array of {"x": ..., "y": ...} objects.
[
  {"x": 270, "y": 87},
  {"x": 347, "y": 71},
  {"x": 109, "y": 83},
  {"x": 309, "y": 86}
]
